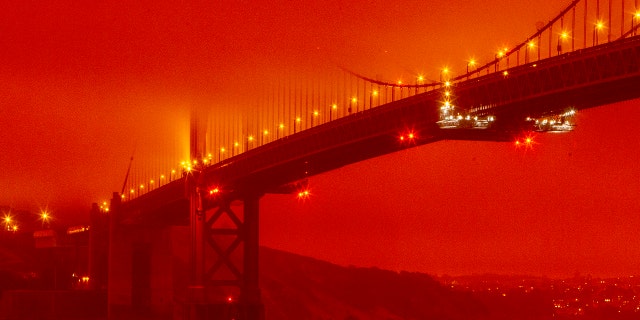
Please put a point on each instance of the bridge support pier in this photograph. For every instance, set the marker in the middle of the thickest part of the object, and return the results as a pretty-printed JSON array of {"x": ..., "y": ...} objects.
[
  {"x": 224, "y": 256},
  {"x": 250, "y": 291}
]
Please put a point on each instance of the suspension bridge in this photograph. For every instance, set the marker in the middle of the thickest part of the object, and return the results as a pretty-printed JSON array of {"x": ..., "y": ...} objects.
[{"x": 204, "y": 211}]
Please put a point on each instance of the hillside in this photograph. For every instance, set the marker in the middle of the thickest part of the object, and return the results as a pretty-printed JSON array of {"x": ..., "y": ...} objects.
[{"x": 297, "y": 287}]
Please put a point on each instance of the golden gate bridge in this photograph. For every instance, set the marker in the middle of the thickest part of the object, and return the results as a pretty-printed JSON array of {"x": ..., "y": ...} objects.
[{"x": 586, "y": 56}]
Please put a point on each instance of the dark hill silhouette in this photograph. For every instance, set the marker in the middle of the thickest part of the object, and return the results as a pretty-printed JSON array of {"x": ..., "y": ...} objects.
[{"x": 297, "y": 287}]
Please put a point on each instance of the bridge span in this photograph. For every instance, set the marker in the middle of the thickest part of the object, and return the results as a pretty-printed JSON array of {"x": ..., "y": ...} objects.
[{"x": 214, "y": 209}]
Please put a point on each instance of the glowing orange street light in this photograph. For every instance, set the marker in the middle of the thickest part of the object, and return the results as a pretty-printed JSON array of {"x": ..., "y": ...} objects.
[
  {"x": 297, "y": 124},
  {"x": 596, "y": 28},
  {"x": 333, "y": 107},
  {"x": 445, "y": 71},
  {"x": 563, "y": 36},
  {"x": 46, "y": 217},
  {"x": 472, "y": 63},
  {"x": 635, "y": 16}
]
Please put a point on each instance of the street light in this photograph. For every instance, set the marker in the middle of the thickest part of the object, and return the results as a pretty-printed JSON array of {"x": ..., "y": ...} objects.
[
  {"x": 445, "y": 71},
  {"x": 354, "y": 100},
  {"x": 563, "y": 36},
  {"x": 596, "y": 28},
  {"x": 633, "y": 19},
  {"x": 7, "y": 222},
  {"x": 374, "y": 94},
  {"x": 296, "y": 124},
  {"x": 471, "y": 63},
  {"x": 45, "y": 217}
]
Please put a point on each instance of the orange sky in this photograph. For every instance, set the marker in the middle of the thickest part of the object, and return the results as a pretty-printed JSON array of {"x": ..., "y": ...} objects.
[{"x": 83, "y": 85}]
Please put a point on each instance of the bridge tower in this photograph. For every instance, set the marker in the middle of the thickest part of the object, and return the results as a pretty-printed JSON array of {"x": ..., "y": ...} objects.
[{"x": 220, "y": 285}]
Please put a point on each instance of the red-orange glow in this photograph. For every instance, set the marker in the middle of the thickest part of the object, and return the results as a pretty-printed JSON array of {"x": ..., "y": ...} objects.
[
  {"x": 230, "y": 299},
  {"x": 215, "y": 190},
  {"x": 411, "y": 136}
]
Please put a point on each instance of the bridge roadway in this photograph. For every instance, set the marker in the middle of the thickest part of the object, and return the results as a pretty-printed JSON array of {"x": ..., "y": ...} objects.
[{"x": 581, "y": 79}]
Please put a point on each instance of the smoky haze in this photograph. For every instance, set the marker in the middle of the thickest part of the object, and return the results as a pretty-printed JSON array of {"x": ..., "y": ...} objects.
[{"x": 84, "y": 86}]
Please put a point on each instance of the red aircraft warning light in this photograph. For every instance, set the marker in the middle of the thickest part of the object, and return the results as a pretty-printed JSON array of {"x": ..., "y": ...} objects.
[
  {"x": 410, "y": 136},
  {"x": 303, "y": 194}
]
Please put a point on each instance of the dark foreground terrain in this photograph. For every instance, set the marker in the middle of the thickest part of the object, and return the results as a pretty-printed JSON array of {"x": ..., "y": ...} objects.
[{"x": 297, "y": 287}]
